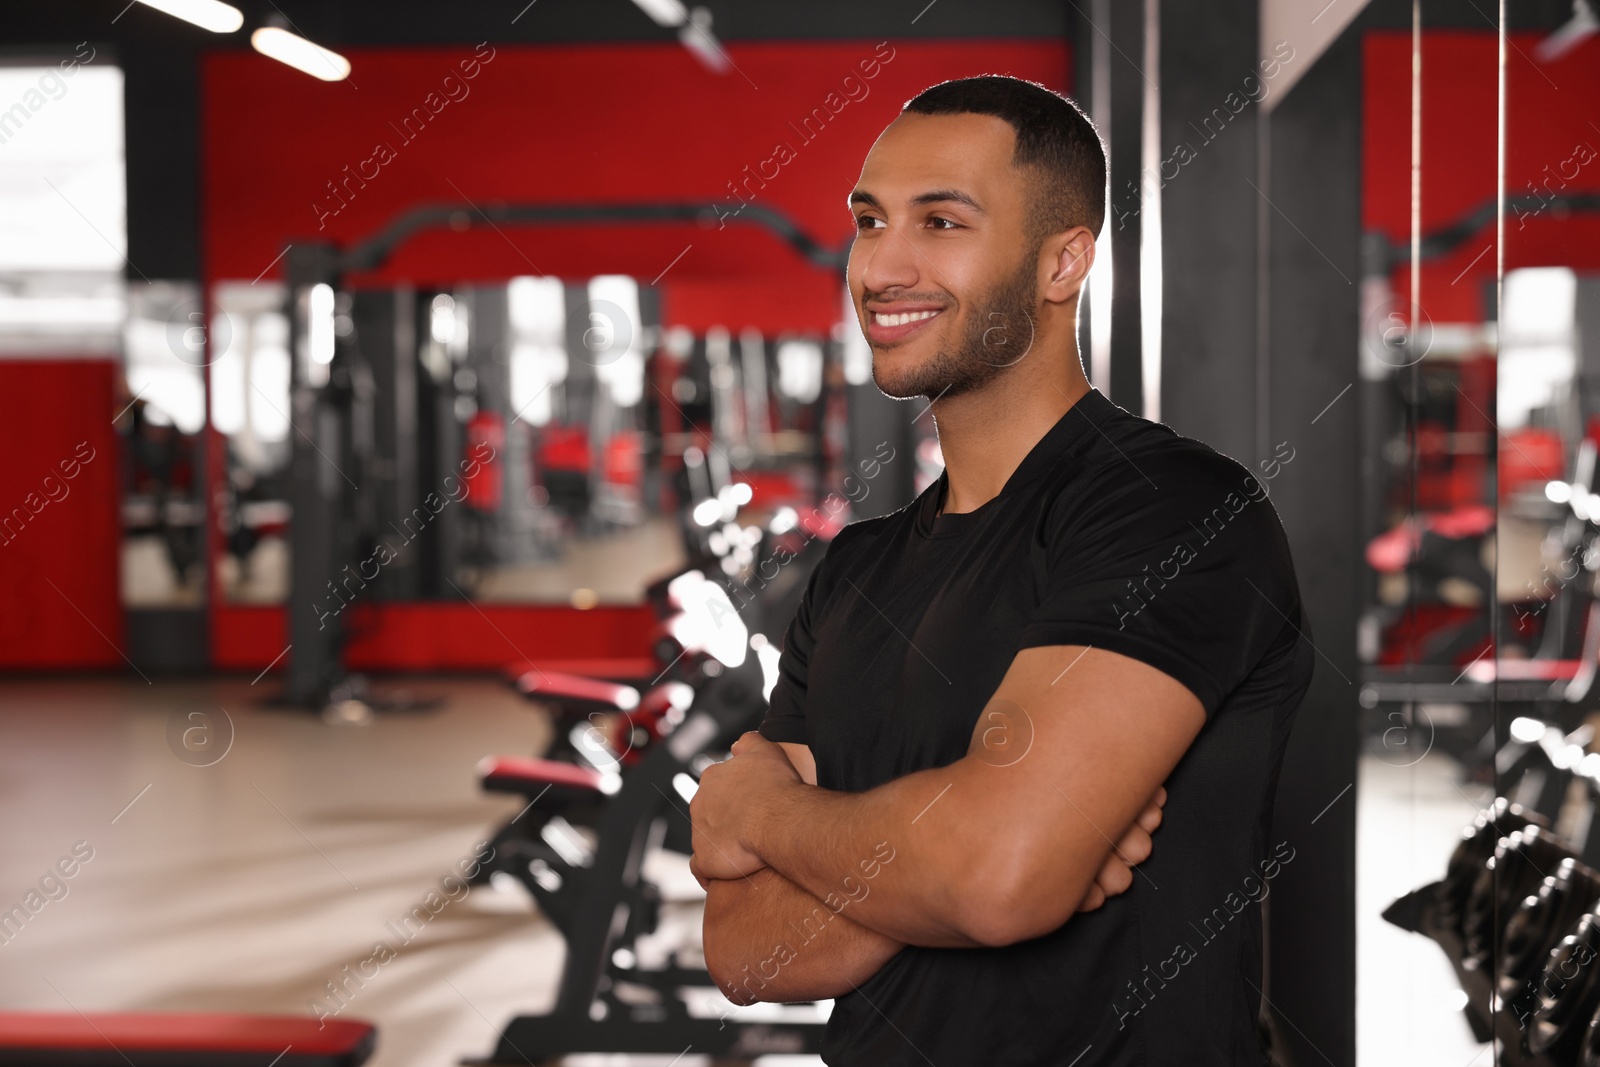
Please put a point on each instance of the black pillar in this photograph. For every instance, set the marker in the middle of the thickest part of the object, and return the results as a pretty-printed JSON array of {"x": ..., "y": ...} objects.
[
  {"x": 1313, "y": 339},
  {"x": 317, "y": 495},
  {"x": 1207, "y": 177},
  {"x": 1261, "y": 226}
]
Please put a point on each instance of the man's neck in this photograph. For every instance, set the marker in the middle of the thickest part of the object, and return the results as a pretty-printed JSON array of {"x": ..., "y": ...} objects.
[{"x": 984, "y": 436}]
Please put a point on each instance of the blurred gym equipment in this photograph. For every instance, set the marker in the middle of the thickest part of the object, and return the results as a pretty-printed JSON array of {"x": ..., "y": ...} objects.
[
  {"x": 336, "y": 381},
  {"x": 616, "y": 783},
  {"x": 1434, "y": 676},
  {"x": 593, "y": 885},
  {"x": 1518, "y": 916}
]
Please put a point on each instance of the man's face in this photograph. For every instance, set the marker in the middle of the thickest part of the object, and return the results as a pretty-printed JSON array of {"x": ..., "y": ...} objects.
[{"x": 940, "y": 249}]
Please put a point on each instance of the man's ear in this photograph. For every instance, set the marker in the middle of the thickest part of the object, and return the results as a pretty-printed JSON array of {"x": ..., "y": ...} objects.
[{"x": 1073, "y": 256}]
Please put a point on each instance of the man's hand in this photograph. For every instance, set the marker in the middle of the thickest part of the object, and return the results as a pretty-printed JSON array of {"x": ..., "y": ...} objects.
[
  {"x": 722, "y": 805},
  {"x": 1134, "y": 848}
]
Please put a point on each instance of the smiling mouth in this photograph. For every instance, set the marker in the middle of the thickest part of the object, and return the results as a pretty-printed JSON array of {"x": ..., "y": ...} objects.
[
  {"x": 902, "y": 319},
  {"x": 892, "y": 328}
]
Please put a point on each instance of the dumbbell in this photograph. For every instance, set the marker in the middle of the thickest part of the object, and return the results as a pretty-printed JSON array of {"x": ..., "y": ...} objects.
[
  {"x": 1568, "y": 990},
  {"x": 1516, "y": 871},
  {"x": 1472, "y": 854},
  {"x": 1541, "y": 920}
]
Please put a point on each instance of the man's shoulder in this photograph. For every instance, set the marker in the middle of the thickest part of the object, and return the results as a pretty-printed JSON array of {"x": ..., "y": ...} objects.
[
  {"x": 1142, "y": 489},
  {"x": 1138, "y": 471},
  {"x": 1134, "y": 450}
]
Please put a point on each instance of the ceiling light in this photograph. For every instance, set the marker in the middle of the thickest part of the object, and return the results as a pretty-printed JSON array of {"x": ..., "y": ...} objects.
[
  {"x": 1577, "y": 29},
  {"x": 695, "y": 35},
  {"x": 665, "y": 12},
  {"x": 210, "y": 15},
  {"x": 301, "y": 54}
]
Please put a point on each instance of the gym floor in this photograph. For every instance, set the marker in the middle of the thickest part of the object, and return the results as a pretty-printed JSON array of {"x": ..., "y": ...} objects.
[
  {"x": 251, "y": 883},
  {"x": 1408, "y": 1002}
]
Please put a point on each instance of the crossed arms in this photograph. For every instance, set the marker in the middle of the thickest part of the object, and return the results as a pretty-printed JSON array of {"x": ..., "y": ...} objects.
[{"x": 810, "y": 891}]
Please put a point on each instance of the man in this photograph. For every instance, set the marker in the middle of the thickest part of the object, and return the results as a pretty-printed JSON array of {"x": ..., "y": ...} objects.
[{"x": 986, "y": 697}]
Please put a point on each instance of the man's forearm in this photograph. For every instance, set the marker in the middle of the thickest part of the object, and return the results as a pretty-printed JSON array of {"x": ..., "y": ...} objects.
[
  {"x": 768, "y": 939},
  {"x": 954, "y": 884}
]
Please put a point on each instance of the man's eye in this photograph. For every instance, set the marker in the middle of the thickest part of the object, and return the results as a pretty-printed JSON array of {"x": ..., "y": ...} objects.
[
  {"x": 952, "y": 225},
  {"x": 863, "y": 220}
]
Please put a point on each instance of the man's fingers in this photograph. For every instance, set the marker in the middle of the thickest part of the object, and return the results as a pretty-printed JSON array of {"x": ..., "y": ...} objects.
[
  {"x": 1135, "y": 847},
  {"x": 1116, "y": 875},
  {"x": 1115, "y": 878},
  {"x": 744, "y": 742}
]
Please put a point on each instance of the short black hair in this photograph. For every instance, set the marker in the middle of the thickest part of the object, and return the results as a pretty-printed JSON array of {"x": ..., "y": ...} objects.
[{"x": 1054, "y": 138}]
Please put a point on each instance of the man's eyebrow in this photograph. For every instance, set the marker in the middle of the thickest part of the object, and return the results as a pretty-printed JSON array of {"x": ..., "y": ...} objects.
[{"x": 934, "y": 196}]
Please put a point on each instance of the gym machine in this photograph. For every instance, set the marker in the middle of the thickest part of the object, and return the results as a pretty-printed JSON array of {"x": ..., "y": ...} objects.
[
  {"x": 1422, "y": 659},
  {"x": 334, "y": 383},
  {"x": 617, "y": 780}
]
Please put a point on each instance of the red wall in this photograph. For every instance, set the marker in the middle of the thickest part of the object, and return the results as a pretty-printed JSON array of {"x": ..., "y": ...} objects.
[
  {"x": 1549, "y": 111},
  {"x": 610, "y": 641},
  {"x": 612, "y": 123},
  {"x": 60, "y": 595}
]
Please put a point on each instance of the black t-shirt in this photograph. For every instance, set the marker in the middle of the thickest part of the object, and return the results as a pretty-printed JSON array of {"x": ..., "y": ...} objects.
[{"x": 1118, "y": 533}]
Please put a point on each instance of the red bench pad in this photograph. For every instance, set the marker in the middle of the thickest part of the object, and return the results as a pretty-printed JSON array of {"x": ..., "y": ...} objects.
[
  {"x": 516, "y": 774},
  {"x": 575, "y": 688},
  {"x": 165, "y": 1040}
]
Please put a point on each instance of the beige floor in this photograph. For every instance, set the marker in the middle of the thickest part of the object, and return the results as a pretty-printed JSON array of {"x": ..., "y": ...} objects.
[
  {"x": 249, "y": 884},
  {"x": 1408, "y": 1003},
  {"x": 614, "y": 566}
]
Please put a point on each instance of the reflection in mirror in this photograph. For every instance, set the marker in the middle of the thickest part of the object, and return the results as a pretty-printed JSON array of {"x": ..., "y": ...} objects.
[
  {"x": 1482, "y": 349},
  {"x": 164, "y": 348},
  {"x": 537, "y": 441},
  {"x": 250, "y": 413},
  {"x": 1428, "y": 400},
  {"x": 1549, "y": 422}
]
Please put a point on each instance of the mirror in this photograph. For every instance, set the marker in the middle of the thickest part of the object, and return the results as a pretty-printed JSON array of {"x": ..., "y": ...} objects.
[
  {"x": 1481, "y": 335},
  {"x": 528, "y": 442}
]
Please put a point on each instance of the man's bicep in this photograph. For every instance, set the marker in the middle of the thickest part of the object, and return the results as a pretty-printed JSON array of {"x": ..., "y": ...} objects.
[
  {"x": 804, "y": 762},
  {"x": 1077, "y": 740}
]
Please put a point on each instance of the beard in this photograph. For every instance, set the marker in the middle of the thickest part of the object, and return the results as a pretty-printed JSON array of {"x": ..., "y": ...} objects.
[{"x": 998, "y": 333}]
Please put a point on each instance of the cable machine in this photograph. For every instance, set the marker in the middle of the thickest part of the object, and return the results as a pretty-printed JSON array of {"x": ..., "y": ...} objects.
[{"x": 336, "y": 465}]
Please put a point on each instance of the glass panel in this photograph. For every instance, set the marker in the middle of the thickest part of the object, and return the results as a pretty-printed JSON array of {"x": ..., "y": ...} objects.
[
  {"x": 1549, "y": 349},
  {"x": 559, "y": 431},
  {"x": 1481, "y": 637},
  {"x": 1428, "y": 630}
]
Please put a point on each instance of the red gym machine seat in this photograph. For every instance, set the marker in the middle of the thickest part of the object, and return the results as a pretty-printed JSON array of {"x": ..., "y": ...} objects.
[
  {"x": 159, "y": 1040},
  {"x": 576, "y": 693},
  {"x": 562, "y": 781}
]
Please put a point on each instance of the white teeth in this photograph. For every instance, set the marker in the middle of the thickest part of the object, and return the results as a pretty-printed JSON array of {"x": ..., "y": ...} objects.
[{"x": 901, "y": 320}]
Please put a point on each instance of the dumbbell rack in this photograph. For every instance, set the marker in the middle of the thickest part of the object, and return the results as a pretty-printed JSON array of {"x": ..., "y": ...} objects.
[{"x": 1518, "y": 916}]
